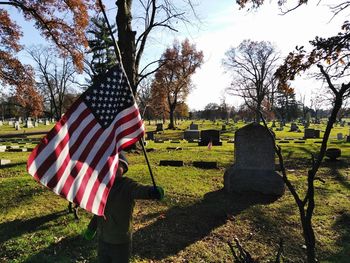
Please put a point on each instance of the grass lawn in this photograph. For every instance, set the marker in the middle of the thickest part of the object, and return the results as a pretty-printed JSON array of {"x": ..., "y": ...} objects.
[{"x": 196, "y": 219}]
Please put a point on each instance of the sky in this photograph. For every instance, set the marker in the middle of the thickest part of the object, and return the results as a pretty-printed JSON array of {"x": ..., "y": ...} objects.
[{"x": 223, "y": 25}]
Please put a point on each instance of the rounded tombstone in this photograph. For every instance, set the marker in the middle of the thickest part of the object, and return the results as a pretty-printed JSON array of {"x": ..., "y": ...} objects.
[{"x": 333, "y": 153}]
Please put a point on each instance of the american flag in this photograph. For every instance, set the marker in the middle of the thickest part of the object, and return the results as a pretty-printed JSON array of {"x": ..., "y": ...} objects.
[{"x": 78, "y": 158}]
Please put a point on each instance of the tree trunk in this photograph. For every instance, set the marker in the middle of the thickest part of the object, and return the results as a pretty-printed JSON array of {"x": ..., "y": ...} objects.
[
  {"x": 171, "y": 118},
  {"x": 126, "y": 41}
]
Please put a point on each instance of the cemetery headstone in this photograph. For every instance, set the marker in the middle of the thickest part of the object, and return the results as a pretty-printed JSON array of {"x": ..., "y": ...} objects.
[
  {"x": 159, "y": 127},
  {"x": 212, "y": 136},
  {"x": 294, "y": 127},
  {"x": 1, "y": 123},
  {"x": 17, "y": 126},
  {"x": 254, "y": 167},
  {"x": 2, "y": 148},
  {"x": 150, "y": 135},
  {"x": 309, "y": 133},
  {"x": 47, "y": 122},
  {"x": 340, "y": 136},
  {"x": 193, "y": 126},
  {"x": 317, "y": 133},
  {"x": 191, "y": 135},
  {"x": 4, "y": 162},
  {"x": 29, "y": 123}
]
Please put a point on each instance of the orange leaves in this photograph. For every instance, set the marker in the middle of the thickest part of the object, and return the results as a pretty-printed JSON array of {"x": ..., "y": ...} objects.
[{"x": 9, "y": 33}]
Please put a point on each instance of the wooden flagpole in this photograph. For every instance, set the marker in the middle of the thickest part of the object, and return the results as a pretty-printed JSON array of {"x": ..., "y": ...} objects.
[{"x": 119, "y": 58}]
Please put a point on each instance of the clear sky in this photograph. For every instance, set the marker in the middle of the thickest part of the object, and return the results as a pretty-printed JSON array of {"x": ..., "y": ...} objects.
[
  {"x": 222, "y": 25},
  {"x": 225, "y": 26}
]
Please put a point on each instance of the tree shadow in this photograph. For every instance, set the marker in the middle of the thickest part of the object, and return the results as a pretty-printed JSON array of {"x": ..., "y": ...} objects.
[
  {"x": 180, "y": 227},
  {"x": 342, "y": 226},
  {"x": 70, "y": 249},
  {"x": 334, "y": 167},
  {"x": 17, "y": 227}
]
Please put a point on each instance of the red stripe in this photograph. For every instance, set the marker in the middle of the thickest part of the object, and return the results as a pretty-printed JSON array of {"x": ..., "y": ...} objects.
[
  {"x": 72, "y": 150},
  {"x": 82, "y": 158},
  {"x": 100, "y": 179},
  {"x": 52, "y": 133},
  {"x": 105, "y": 193},
  {"x": 95, "y": 161},
  {"x": 52, "y": 158},
  {"x": 106, "y": 167}
]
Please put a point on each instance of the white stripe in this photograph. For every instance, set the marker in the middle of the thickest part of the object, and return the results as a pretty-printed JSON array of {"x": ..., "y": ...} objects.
[
  {"x": 75, "y": 158},
  {"x": 98, "y": 144},
  {"x": 51, "y": 172},
  {"x": 102, "y": 161},
  {"x": 76, "y": 185},
  {"x": 95, "y": 173},
  {"x": 102, "y": 186},
  {"x": 51, "y": 146}
]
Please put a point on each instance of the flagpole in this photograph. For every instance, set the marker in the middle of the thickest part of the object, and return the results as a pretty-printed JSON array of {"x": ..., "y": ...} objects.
[{"x": 119, "y": 58}]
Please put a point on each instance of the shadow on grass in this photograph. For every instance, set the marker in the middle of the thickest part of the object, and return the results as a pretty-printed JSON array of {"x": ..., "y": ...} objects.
[
  {"x": 15, "y": 228},
  {"x": 183, "y": 226},
  {"x": 342, "y": 226},
  {"x": 335, "y": 166},
  {"x": 70, "y": 249}
]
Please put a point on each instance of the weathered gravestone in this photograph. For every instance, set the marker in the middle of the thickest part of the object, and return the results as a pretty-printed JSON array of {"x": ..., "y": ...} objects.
[
  {"x": 193, "y": 126},
  {"x": 294, "y": 127},
  {"x": 309, "y": 133},
  {"x": 2, "y": 148},
  {"x": 17, "y": 126},
  {"x": 191, "y": 135},
  {"x": 317, "y": 133},
  {"x": 254, "y": 167},
  {"x": 159, "y": 127},
  {"x": 150, "y": 135},
  {"x": 4, "y": 162},
  {"x": 29, "y": 124},
  {"x": 212, "y": 136},
  {"x": 340, "y": 136}
]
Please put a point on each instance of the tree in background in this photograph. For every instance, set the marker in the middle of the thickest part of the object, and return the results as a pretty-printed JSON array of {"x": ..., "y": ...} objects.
[
  {"x": 144, "y": 99},
  {"x": 67, "y": 34},
  {"x": 172, "y": 82},
  {"x": 55, "y": 80},
  {"x": 252, "y": 65},
  {"x": 101, "y": 47},
  {"x": 286, "y": 106},
  {"x": 152, "y": 15}
]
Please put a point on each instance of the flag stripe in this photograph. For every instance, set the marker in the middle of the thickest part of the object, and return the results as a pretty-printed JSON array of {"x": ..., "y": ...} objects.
[
  {"x": 71, "y": 159},
  {"x": 52, "y": 144},
  {"x": 90, "y": 175},
  {"x": 52, "y": 159},
  {"x": 52, "y": 133},
  {"x": 103, "y": 173}
]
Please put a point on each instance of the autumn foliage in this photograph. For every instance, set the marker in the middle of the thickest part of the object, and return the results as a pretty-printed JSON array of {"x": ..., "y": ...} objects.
[
  {"x": 172, "y": 82},
  {"x": 62, "y": 22}
]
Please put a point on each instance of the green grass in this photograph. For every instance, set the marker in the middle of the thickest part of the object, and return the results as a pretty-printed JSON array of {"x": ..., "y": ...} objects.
[{"x": 196, "y": 219}]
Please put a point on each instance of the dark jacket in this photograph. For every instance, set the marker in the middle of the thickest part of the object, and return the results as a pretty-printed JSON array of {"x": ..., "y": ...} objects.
[{"x": 116, "y": 227}]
